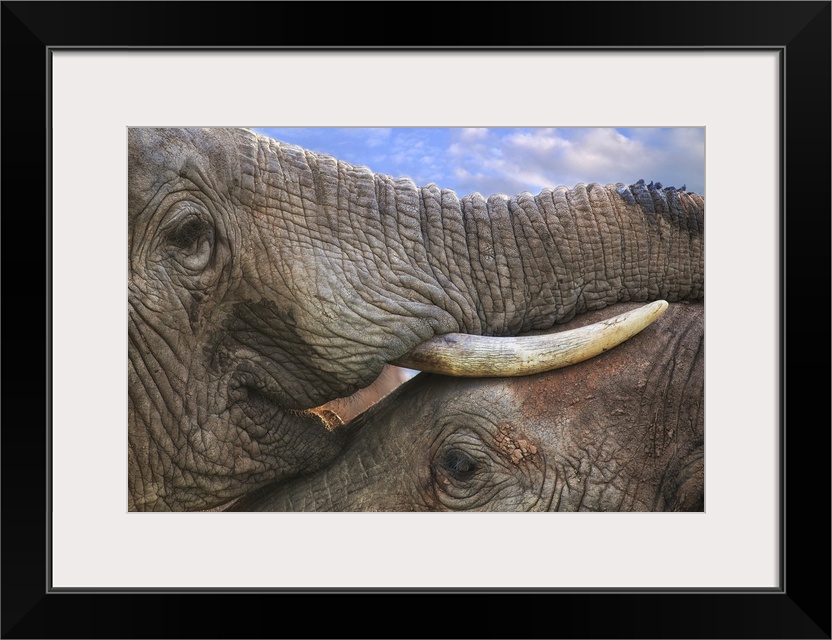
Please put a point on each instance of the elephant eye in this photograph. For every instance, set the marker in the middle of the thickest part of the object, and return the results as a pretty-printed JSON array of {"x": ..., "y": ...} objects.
[
  {"x": 192, "y": 242},
  {"x": 458, "y": 464},
  {"x": 462, "y": 473}
]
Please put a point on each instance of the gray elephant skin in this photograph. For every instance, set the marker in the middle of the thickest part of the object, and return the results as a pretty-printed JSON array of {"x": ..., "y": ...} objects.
[
  {"x": 266, "y": 280},
  {"x": 621, "y": 432}
]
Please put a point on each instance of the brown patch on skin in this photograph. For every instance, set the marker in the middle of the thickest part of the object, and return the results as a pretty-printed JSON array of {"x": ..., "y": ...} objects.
[
  {"x": 517, "y": 449},
  {"x": 572, "y": 389}
]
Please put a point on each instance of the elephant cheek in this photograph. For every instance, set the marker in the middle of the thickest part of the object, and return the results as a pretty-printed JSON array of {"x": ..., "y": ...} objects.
[{"x": 281, "y": 442}]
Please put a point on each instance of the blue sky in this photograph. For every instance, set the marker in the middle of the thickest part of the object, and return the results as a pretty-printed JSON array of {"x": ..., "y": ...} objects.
[{"x": 512, "y": 160}]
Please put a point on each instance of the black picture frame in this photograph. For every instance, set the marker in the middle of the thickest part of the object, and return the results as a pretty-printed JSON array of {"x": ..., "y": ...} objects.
[{"x": 799, "y": 608}]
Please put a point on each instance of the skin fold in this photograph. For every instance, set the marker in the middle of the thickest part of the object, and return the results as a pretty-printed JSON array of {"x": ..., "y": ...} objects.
[
  {"x": 621, "y": 432},
  {"x": 265, "y": 280}
]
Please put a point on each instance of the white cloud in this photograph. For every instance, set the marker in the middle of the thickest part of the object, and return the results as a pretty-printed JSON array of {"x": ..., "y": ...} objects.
[
  {"x": 377, "y": 137},
  {"x": 602, "y": 151},
  {"x": 470, "y": 134},
  {"x": 541, "y": 142}
]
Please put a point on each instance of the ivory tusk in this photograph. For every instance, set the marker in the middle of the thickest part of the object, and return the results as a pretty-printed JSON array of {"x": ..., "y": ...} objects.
[{"x": 463, "y": 355}]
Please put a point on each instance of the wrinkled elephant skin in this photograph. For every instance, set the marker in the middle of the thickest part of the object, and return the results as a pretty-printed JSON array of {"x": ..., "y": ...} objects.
[
  {"x": 266, "y": 280},
  {"x": 621, "y": 432}
]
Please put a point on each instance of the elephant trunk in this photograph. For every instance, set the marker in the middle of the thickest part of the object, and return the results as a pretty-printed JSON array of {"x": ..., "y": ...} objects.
[
  {"x": 510, "y": 265},
  {"x": 350, "y": 482}
]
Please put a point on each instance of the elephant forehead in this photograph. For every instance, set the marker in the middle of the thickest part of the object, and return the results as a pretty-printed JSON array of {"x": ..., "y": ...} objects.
[
  {"x": 215, "y": 158},
  {"x": 492, "y": 405},
  {"x": 523, "y": 415}
]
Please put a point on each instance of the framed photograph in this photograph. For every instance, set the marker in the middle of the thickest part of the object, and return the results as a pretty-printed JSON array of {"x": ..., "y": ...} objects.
[{"x": 728, "y": 80}]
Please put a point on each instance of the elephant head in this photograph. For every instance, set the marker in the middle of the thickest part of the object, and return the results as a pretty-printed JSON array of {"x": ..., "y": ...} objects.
[
  {"x": 621, "y": 432},
  {"x": 266, "y": 280}
]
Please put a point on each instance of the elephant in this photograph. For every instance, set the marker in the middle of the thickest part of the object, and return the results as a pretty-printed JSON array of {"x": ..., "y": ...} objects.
[
  {"x": 623, "y": 431},
  {"x": 265, "y": 281}
]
